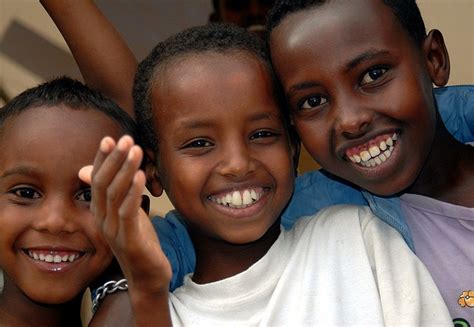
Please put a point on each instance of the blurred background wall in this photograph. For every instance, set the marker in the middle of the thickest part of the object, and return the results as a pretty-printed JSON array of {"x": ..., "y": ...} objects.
[{"x": 32, "y": 50}]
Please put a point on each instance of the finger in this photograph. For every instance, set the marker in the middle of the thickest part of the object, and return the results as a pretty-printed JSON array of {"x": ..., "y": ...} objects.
[
  {"x": 108, "y": 164},
  {"x": 132, "y": 201},
  {"x": 123, "y": 180},
  {"x": 85, "y": 174}
]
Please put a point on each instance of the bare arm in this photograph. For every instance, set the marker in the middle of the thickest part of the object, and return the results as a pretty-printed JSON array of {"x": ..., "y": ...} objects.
[
  {"x": 105, "y": 61},
  {"x": 117, "y": 187}
]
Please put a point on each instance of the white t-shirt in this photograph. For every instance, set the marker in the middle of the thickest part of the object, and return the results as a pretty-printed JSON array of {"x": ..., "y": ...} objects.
[{"x": 341, "y": 267}]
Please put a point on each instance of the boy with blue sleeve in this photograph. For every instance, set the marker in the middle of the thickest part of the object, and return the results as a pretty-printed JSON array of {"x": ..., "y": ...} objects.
[{"x": 369, "y": 115}]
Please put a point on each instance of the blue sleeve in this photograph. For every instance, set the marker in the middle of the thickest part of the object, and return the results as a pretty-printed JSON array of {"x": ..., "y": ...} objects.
[
  {"x": 456, "y": 107},
  {"x": 176, "y": 245}
]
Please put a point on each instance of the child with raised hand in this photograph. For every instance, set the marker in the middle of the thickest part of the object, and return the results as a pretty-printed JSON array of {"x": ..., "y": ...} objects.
[
  {"x": 364, "y": 108},
  {"x": 209, "y": 148},
  {"x": 50, "y": 246}
]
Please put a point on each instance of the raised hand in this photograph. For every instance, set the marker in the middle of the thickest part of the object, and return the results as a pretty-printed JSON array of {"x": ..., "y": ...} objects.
[{"x": 117, "y": 187}]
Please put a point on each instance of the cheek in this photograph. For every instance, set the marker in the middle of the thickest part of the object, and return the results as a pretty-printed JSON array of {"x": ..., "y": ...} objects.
[{"x": 314, "y": 138}]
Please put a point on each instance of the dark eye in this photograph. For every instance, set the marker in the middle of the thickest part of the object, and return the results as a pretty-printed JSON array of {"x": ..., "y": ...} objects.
[
  {"x": 262, "y": 134},
  {"x": 372, "y": 75},
  {"x": 26, "y": 193},
  {"x": 84, "y": 195},
  {"x": 313, "y": 102},
  {"x": 198, "y": 144}
]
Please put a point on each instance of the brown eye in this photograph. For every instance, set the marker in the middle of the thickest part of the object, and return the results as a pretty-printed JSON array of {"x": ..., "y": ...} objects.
[
  {"x": 26, "y": 193},
  {"x": 85, "y": 195},
  {"x": 313, "y": 102},
  {"x": 372, "y": 75}
]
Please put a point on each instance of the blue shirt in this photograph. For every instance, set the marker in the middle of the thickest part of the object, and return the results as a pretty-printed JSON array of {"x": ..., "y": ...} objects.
[{"x": 318, "y": 189}]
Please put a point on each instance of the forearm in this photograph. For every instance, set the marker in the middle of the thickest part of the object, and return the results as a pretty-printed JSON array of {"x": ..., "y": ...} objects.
[
  {"x": 150, "y": 309},
  {"x": 105, "y": 61}
]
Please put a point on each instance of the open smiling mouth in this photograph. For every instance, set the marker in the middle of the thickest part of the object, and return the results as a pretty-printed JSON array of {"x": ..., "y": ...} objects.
[
  {"x": 374, "y": 152},
  {"x": 53, "y": 257},
  {"x": 239, "y": 199}
]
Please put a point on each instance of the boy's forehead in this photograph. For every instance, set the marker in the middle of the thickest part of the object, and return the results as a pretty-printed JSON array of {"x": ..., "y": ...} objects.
[
  {"x": 59, "y": 120},
  {"x": 336, "y": 20},
  {"x": 337, "y": 33}
]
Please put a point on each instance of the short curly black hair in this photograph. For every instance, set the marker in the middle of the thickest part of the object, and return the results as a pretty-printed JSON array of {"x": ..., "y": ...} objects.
[
  {"x": 71, "y": 93},
  {"x": 406, "y": 11},
  {"x": 216, "y": 38}
]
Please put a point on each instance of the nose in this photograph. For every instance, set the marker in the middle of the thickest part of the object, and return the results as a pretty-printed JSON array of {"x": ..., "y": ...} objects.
[
  {"x": 236, "y": 160},
  {"x": 352, "y": 121},
  {"x": 56, "y": 217}
]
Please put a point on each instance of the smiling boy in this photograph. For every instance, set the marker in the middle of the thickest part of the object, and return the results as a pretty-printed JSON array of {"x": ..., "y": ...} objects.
[
  {"x": 364, "y": 108},
  {"x": 50, "y": 247}
]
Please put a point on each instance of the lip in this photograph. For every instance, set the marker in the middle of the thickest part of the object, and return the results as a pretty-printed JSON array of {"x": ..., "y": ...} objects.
[
  {"x": 52, "y": 267},
  {"x": 381, "y": 171},
  {"x": 242, "y": 213},
  {"x": 341, "y": 150}
]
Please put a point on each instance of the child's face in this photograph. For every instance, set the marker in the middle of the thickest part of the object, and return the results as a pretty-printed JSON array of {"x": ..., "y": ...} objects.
[
  {"x": 224, "y": 157},
  {"x": 49, "y": 244},
  {"x": 356, "y": 83}
]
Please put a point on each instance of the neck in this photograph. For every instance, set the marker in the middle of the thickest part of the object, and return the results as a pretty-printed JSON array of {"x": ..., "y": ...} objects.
[
  {"x": 448, "y": 174},
  {"x": 217, "y": 259},
  {"x": 16, "y": 309}
]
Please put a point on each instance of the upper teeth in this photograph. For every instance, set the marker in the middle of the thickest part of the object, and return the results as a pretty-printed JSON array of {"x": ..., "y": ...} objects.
[
  {"x": 375, "y": 155},
  {"x": 238, "y": 199},
  {"x": 56, "y": 258}
]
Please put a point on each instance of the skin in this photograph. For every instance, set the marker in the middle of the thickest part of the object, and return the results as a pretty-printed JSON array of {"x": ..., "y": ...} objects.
[
  {"x": 370, "y": 81},
  {"x": 203, "y": 154},
  {"x": 44, "y": 207},
  {"x": 250, "y": 14}
]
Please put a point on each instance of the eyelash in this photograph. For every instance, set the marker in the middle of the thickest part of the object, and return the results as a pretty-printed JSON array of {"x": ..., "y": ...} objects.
[
  {"x": 197, "y": 144},
  {"x": 19, "y": 190},
  {"x": 379, "y": 69},
  {"x": 262, "y": 134},
  {"x": 81, "y": 193},
  {"x": 321, "y": 100}
]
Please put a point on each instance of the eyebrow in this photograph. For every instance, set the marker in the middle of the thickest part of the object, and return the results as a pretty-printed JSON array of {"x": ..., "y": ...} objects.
[
  {"x": 19, "y": 170},
  {"x": 195, "y": 124},
  {"x": 365, "y": 56}
]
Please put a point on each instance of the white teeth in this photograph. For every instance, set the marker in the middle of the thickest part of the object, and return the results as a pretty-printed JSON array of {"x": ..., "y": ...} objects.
[
  {"x": 375, "y": 155},
  {"x": 238, "y": 199},
  {"x": 374, "y": 151},
  {"x": 50, "y": 258},
  {"x": 246, "y": 198},
  {"x": 365, "y": 155}
]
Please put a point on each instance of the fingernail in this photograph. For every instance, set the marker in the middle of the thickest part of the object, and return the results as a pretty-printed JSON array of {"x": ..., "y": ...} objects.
[
  {"x": 105, "y": 145},
  {"x": 123, "y": 143}
]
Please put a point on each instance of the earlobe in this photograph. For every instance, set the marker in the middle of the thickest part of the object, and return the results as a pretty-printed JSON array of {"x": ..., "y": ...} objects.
[
  {"x": 437, "y": 58},
  {"x": 153, "y": 183}
]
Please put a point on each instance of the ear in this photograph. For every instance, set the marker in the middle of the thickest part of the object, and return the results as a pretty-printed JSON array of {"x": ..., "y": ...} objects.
[
  {"x": 437, "y": 58},
  {"x": 153, "y": 183}
]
